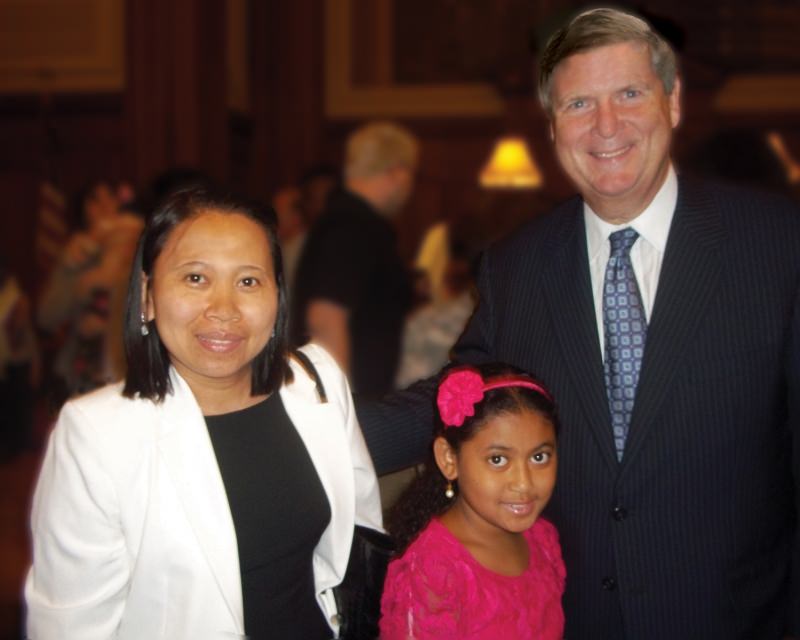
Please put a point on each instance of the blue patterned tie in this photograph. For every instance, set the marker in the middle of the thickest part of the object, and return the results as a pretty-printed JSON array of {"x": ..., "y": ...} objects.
[{"x": 625, "y": 331}]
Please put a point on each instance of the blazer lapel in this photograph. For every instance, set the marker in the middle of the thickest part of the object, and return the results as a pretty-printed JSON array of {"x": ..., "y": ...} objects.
[
  {"x": 570, "y": 301},
  {"x": 689, "y": 275},
  {"x": 320, "y": 428},
  {"x": 188, "y": 454}
]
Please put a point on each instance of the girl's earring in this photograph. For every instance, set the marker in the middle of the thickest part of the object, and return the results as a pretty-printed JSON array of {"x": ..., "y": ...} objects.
[
  {"x": 448, "y": 492},
  {"x": 145, "y": 329}
]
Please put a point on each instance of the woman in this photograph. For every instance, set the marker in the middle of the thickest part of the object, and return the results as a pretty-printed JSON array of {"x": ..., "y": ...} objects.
[
  {"x": 84, "y": 292},
  {"x": 213, "y": 494}
]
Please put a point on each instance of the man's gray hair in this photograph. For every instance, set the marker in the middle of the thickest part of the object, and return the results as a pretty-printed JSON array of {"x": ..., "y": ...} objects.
[
  {"x": 598, "y": 28},
  {"x": 377, "y": 147}
]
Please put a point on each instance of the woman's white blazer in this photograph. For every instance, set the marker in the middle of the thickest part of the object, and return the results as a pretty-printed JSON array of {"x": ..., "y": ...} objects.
[{"x": 132, "y": 533}]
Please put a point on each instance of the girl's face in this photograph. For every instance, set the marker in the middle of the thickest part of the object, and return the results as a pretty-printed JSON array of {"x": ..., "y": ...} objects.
[{"x": 506, "y": 472}]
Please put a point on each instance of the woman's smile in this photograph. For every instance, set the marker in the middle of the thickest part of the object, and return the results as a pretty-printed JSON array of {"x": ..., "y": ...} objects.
[{"x": 219, "y": 341}]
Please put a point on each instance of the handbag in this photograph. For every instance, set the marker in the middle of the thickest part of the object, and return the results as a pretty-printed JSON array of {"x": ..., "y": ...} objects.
[{"x": 358, "y": 596}]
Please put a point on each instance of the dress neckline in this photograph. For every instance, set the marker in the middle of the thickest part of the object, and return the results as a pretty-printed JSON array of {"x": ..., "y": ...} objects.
[
  {"x": 474, "y": 562},
  {"x": 245, "y": 411}
]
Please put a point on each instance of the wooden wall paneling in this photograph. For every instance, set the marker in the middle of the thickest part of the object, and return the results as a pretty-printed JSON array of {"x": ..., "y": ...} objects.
[
  {"x": 176, "y": 90},
  {"x": 61, "y": 46},
  {"x": 241, "y": 153},
  {"x": 82, "y": 142},
  {"x": 19, "y": 191},
  {"x": 185, "y": 106},
  {"x": 147, "y": 76},
  {"x": 260, "y": 52},
  {"x": 212, "y": 83},
  {"x": 286, "y": 93},
  {"x": 346, "y": 99},
  {"x": 239, "y": 61}
]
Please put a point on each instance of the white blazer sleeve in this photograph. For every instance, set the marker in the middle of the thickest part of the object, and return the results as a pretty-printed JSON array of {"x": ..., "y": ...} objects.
[
  {"x": 367, "y": 493},
  {"x": 77, "y": 584}
]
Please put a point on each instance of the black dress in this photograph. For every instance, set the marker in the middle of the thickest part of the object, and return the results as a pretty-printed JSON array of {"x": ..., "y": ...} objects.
[{"x": 279, "y": 510}]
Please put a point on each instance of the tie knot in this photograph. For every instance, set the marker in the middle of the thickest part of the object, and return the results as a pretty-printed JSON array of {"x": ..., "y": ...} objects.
[{"x": 622, "y": 241}]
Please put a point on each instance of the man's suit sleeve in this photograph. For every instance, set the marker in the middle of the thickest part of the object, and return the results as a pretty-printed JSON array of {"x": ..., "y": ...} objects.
[
  {"x": 794, "y": 426},
  {"x": 398, "y": 428}
]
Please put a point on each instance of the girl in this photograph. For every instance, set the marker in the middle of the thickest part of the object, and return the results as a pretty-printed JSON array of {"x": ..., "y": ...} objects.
[{"x": 477, "y": 561}]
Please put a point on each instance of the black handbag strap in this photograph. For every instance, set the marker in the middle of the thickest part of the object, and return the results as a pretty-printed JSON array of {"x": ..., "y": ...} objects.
[{"x": 311, "y": 370}]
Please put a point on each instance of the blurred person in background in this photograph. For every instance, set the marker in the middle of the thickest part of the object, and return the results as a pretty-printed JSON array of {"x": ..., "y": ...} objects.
[
  {"x": 431, "y": 330},
  {"x": 77, "y": 300},
  {"x": 352, "y": 290},
  {"x": 19, "y": 367},
  {"x": 316, "y": 185},
  {"x": 292, "y": 230}
]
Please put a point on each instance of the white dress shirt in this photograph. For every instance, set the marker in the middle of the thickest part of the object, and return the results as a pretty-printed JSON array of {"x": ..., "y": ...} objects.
[{"x": 647, "y": 253}]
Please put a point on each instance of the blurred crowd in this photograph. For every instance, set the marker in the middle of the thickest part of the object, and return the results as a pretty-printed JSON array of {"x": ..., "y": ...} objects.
[{"x": 387, "y": 321}]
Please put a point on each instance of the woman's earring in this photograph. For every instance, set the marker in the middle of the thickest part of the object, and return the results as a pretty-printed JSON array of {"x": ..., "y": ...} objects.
[
  {"x": 145, "y": 328},
  {"x": 448, "y": 492}
]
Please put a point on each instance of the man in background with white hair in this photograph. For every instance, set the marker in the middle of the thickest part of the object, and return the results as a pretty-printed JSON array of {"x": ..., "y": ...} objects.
[{"x": 352, "y": 291}]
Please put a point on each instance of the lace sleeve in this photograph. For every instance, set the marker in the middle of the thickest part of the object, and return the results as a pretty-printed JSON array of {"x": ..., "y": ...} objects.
[
  {"x": 427, "y": 595},
  {"x": 551, "y": 547}
]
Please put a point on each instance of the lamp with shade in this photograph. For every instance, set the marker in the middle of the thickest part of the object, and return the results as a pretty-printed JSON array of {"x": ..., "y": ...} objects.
[{"x": 511, "y": 165}]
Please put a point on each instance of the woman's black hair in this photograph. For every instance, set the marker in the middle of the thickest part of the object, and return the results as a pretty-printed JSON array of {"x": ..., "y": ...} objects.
[
  {"x": 148, "y": 362},
  {"x": 425, "y": 498}
]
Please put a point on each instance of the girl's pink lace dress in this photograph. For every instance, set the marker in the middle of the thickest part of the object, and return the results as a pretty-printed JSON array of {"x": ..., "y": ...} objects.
[{"x": 436, "y": 589}]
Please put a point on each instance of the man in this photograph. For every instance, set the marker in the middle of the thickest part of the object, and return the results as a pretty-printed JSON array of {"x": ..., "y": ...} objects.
[
  {"x": 352, "y": 291},
  {"x": 674, "y": 361}
]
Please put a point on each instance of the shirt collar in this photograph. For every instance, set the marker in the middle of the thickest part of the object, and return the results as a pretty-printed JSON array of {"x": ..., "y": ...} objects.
[{"x": 652, "y": 224}]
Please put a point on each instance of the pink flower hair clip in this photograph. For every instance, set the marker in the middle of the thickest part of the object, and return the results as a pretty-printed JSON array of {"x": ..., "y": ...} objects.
[{"x": 463, "y": 388}]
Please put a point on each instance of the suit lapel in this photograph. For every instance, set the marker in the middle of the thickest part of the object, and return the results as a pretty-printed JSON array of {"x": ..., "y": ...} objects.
[
  {"x": 188, "y": 454},
  {"x": 689, "y": 275},
  {"x": 568, "y": 290}
]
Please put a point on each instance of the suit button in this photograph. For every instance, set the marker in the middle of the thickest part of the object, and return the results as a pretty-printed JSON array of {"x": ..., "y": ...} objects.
[
  {"x": 619, "y": 513},
  {"x": 609, "y": 584}
]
